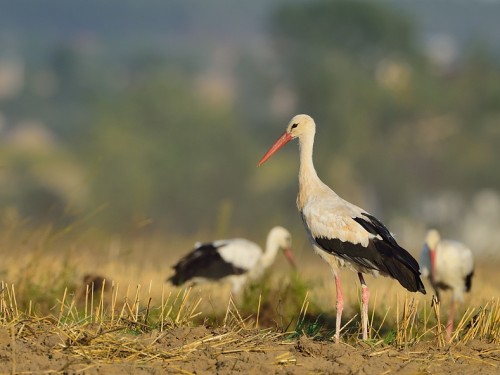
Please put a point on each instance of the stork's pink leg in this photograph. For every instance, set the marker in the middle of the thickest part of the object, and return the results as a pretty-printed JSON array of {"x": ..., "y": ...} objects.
[
  {"x": 340, "y": 307},
  {"x": 451, "y": 318},
  {"x": 365, "y": 296}
]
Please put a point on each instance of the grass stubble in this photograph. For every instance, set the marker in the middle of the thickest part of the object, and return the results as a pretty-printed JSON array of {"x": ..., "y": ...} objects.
[
  {"x": 129, "y": 332},
  {"x": 129, "y": 329},
  {"x": 114, "y": 324}
]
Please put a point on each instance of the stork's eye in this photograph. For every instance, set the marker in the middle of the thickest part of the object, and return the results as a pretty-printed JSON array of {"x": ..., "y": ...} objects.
[{"x": 294, "y": 126}]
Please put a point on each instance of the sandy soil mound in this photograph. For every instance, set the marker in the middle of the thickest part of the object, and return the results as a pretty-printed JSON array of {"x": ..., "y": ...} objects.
[{"x": 35, "y": 347}]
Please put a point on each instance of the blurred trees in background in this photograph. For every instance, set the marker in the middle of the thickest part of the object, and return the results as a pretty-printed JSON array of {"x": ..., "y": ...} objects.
[
  {"x": 170, "y": 141},
  {"x": 161, "y": 153},
  {"x": 406, "y": 126}
]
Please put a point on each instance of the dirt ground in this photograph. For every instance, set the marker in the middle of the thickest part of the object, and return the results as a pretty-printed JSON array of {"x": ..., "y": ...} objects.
[{"x": 39, "y": 347}]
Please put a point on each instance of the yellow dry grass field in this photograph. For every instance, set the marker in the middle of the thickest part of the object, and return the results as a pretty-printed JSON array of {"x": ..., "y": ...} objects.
[{"x": 132, "y": 321}]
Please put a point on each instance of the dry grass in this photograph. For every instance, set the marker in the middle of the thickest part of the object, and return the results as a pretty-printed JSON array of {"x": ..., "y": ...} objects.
[
  {"x": 126, "y": 331},
  {"x": 132, "y": 310},
  {"x": 131, "y": 332}
]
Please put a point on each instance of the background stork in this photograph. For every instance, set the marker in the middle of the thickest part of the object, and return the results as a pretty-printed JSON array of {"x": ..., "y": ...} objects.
[
  {"x": 343, "y": 234},
  {"x": 448, "y": 265},
  {"x": 234, "y": 260}
]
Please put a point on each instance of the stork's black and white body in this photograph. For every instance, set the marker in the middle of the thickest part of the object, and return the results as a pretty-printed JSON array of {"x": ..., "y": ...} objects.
[
  {"x": 234, "y": 260},
  {"x": 448, "y": 265},
  {"x": 343, "y": 234}
]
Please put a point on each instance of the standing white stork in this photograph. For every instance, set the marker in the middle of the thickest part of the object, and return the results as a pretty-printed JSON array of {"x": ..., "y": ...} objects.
[
  {"x": 343, "y": 234},
  {"x": 234, "y": 260},
  {"x": 448, "y": 265}
]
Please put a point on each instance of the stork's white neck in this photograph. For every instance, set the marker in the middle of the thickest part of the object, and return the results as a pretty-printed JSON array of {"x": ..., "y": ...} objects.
[
  {"x": 270, "y": 252},
  {"x": 306, "y": 145},
  {"x": 309, "y": 181}
]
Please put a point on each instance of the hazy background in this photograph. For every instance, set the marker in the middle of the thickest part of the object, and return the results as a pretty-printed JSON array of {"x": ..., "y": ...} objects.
[{"x": 144, "y": 117}]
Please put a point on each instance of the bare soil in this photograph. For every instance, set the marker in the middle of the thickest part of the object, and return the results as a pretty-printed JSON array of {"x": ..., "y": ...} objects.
[{"x": 44, "y": 347}]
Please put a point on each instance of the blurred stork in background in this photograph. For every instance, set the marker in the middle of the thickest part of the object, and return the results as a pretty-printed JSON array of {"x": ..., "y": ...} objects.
[
  {"x": 448, "y": 265},
  {"x": 235, "y": 260}
]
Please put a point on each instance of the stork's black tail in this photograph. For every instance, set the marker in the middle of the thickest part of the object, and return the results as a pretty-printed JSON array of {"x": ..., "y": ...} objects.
[
  {"x": 408, "y": 276},
  {"x": 390, "y": 258},
  {"x": 468, "y": 281}
]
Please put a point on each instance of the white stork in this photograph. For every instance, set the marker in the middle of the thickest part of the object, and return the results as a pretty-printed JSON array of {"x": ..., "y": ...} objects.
[
  {"x": 343, "y": 234},
  {"x": 448, "y": 265},
  {"x": 234, "y": 260}
]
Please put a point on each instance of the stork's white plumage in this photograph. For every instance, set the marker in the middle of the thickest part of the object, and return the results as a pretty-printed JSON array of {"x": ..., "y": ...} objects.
[
  {"x": 343, "y": 234},
  {"x": 448, "y": 265},
  {"x": 234, "y": 260}
]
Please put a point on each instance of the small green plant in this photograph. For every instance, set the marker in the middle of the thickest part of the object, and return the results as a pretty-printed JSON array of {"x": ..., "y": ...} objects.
[{"x": 277, "y": 300}]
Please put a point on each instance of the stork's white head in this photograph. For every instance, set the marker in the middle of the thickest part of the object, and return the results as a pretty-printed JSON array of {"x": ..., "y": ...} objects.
[
  {"x": 432, "y": 239},
  {"x": 281, "y": 237},
  {"x": 298, "y": 126},
  {"x": 278, "y": 238},
  {"x": 301, "y": 124},
  {"x": 431, "y": 242}
]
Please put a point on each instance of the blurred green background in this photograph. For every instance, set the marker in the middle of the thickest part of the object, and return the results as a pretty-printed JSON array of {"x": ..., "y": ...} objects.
[{"x": 137, "y": 117}]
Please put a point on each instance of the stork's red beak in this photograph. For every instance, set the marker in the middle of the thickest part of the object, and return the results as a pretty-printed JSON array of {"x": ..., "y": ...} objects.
[
  {"x": 432, "y": 254},
  {"x": 283, "y": 140},
  {"x": 289, "y": 256}
]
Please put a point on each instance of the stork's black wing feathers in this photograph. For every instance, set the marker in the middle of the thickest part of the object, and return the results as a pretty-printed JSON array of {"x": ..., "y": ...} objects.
[
  {"x": 384, "y": 255},
  {"x": 203, "y": 262},
  {"x": 376, "y": 227}
]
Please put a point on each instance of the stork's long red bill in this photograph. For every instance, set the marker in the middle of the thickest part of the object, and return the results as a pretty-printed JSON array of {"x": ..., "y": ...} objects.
[
  {"x": 289, "y": 256},
  {"x": 432, "y": 254},
  {"x": 283, "y": 140}
]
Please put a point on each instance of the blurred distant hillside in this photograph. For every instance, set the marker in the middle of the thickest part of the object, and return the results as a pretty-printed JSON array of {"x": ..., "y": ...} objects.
[
  {"x": 121, "y": 27},
  {"x": 151, "y": 115}
]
